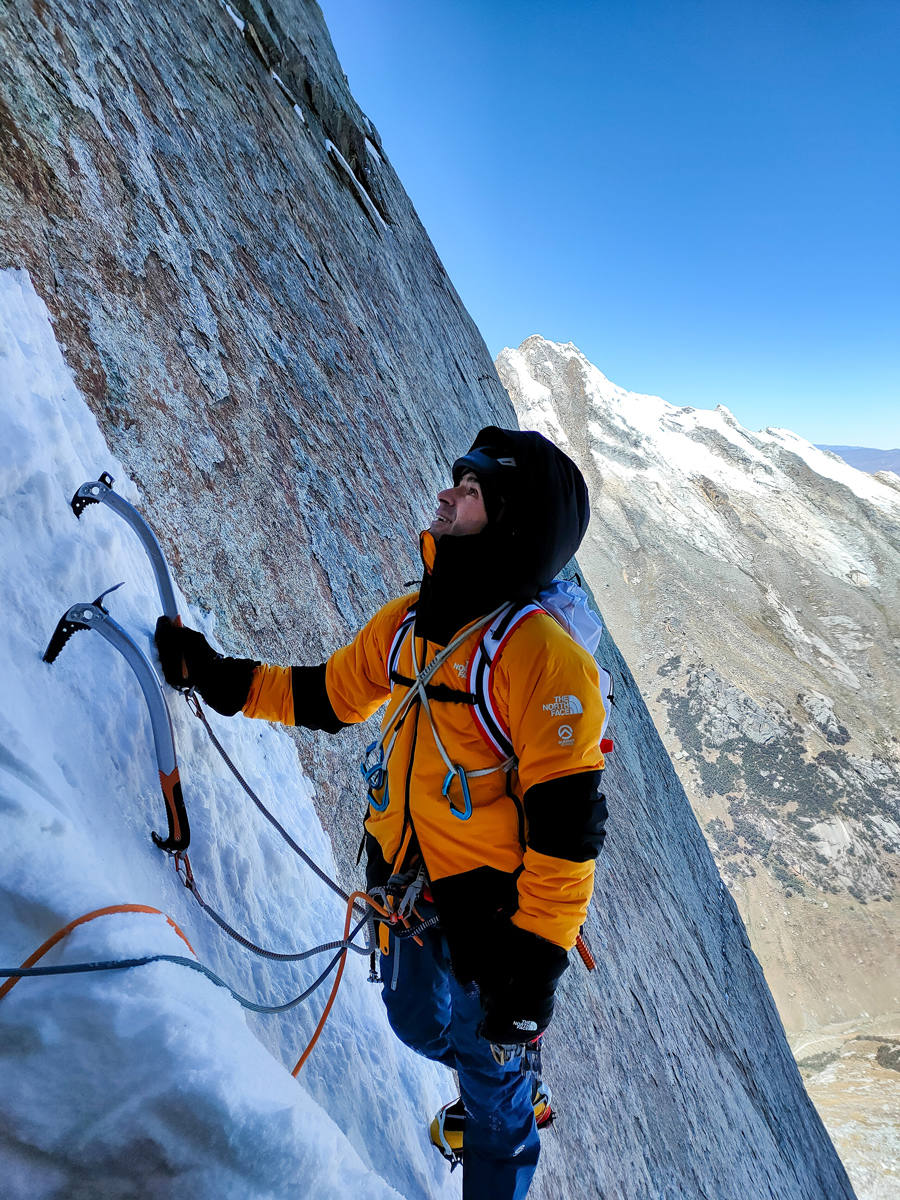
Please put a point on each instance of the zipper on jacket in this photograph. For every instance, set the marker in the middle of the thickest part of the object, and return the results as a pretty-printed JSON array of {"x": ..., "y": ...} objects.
[{"x": 520, "y": 810}]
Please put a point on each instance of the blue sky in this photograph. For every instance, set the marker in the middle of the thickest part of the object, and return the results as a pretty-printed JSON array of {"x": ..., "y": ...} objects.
[{"x": 702, "y": 195}]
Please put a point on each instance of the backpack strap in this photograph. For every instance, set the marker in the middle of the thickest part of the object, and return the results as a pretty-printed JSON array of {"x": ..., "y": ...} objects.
[
  {"x": 434, "y": 691},
  {"x": 479, "y": 680},
  {"x": 403, "y": 630}
]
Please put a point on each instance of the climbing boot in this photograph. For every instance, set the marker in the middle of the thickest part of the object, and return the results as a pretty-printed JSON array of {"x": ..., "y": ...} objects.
[{"x": 448, "y": 1126}]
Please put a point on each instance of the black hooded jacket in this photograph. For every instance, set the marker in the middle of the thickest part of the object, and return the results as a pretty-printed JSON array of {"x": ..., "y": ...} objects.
[
  {"x": 540, "y": 513},
  {"x": 542, "y": 521}
]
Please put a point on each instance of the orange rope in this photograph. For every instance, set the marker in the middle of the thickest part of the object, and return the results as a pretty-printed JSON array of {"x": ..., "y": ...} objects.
[
  {"x": 99, "y": 912},
  {"x": 146, "y": 908},
  {"x": 340, "y": 971}
]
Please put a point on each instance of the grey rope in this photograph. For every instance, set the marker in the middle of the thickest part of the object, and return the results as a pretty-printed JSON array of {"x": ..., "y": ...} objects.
[
  {"x": 195, "y": 707},
  {"x": 126, "y": 963},
  {"x": 299, "y": 956}
]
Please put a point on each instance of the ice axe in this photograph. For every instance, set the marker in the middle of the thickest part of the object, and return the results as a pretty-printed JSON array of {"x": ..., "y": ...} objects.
[
  {"x": 100, "y": 491},
  {"x": 95, "y": 616}
]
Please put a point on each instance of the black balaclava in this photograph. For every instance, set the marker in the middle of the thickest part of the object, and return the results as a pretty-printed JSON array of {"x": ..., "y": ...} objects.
[{"x": 538, "y": 511}]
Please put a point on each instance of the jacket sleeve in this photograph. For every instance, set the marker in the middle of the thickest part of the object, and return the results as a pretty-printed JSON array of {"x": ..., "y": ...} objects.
[
  {"x": 292, "y": 696},
  {"x": 346, "y": 689},
  {"x": 555, "y": 713}
]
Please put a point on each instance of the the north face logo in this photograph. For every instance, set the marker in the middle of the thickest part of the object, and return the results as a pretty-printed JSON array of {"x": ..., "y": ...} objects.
[{"x": 564, "y": 706}]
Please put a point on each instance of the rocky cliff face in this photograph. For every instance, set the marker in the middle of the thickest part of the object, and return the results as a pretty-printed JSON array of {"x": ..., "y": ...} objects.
[
  {"x": 271, "y": 345},
  {"x": 259, "y": 321}
]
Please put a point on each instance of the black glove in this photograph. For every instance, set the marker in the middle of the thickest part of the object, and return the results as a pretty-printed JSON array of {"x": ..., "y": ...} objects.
[
  {"x": 517, "y": 985},
  {"x": 188, "y": 660}
]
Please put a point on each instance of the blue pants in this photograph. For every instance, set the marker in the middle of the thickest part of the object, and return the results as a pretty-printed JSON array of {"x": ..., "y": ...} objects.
[{"x": 433, "y": 1015}]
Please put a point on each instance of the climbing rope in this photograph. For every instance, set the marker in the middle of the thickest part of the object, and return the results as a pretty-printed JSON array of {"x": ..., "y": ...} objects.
[
  {"x": 15, "y": 975},
  {"x": 337, "y": 979},
  {"x": 29, "y": 970},
  {"x": 183, "y": 869},
  {"x": 194, "y": 705}
]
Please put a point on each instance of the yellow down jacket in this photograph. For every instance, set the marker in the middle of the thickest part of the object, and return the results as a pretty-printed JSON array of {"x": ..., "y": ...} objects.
[{"x": 544, "y": 689}]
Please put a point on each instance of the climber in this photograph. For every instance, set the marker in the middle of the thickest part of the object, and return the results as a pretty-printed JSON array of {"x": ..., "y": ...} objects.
[{"x": 500, "y": 846}]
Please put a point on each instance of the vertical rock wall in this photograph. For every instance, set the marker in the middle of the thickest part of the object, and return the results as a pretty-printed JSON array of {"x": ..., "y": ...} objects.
[
  {"x": 284, "y": 371},
  {"x": 272, "y": 347}
]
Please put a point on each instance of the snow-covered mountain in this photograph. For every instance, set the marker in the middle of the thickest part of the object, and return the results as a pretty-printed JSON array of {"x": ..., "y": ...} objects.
[{"x": 755, "y": 581}]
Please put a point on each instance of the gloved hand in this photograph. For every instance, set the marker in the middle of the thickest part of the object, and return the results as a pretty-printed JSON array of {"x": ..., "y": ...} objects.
[
  {"x": 518, "y": 984},
  {"x": 188, "y": 660}
]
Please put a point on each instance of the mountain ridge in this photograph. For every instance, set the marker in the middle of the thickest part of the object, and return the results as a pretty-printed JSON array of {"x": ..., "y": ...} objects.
[
  {"x": 867, "y": 458},
  {"x": 752, "y": 580}
]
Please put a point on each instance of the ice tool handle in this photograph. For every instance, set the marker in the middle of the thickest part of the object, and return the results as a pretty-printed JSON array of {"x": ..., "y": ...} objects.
[
  {"x": 100, "y": 491},
  {"x": 95, "y": 616}
]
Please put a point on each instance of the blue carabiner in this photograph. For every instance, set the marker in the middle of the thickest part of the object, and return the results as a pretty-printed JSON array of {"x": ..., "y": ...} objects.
[
  {"x": 445, "y": 791},
  {"x": 375, "y": 777}
]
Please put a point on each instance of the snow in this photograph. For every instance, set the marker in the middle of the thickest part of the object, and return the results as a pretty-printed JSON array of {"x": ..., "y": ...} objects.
[
  {"x": 239, "y": 21},
  {"x": 824, "y": 463},
  {"x": 364, "y": 198},
  {"x": 141, "y": 1082},
  {"x": 663, "y": 455}
]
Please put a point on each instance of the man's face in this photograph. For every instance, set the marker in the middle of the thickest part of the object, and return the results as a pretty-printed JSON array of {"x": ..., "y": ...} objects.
[{"x": 460, "y": 510}]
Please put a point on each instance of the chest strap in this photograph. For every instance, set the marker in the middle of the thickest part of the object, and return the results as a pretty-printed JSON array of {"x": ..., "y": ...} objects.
[
  {"x": 441, "y": 692},
  {"x": 419, "y": 687}
]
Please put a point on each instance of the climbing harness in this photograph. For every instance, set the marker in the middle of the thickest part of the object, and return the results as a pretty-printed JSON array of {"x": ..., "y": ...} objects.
[
  {"x": 375, "y": 774},
  {"x": 564, "y": 601}
]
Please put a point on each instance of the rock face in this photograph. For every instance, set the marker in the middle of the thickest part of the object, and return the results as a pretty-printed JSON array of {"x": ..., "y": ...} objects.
[
  {"x": 280, "y": 369},
  {"x": 271, "y": 345}
]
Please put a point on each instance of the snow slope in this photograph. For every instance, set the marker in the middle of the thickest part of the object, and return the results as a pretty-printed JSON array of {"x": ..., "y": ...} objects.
[
  {"x": 143, "y": 1082},
  {"x": 656, "y": 453}
]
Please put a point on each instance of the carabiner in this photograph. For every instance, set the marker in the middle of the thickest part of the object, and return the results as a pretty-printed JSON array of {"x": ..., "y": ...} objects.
[
  {"x": 375, "y": 777},
  {"x": 445, "y": 791}
]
